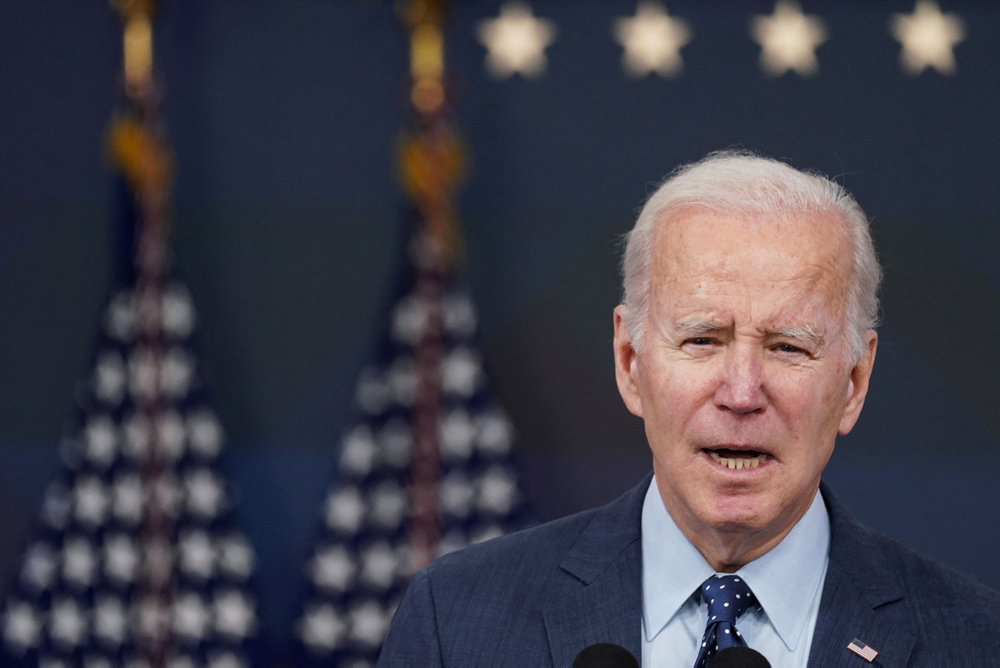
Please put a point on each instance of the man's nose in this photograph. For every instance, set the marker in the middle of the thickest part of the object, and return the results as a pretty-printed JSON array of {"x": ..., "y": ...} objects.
[{"x": 741, "y": 384}]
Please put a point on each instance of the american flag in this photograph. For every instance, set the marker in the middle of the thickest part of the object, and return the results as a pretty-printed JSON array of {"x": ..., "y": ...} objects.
[
  {"x": 136, "y": 559},
  {"x": 427, "y": 466},
  {"x": 861, "y": 649},
  {"x": 384, "y": 516}
]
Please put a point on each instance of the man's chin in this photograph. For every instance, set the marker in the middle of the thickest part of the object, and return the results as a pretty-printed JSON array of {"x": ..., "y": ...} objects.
[{"x": 745, "y": 513}]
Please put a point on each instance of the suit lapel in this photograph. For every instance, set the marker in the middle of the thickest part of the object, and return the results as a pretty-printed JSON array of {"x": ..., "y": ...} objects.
[
  {"x": 604, "y": 599},
  {"x": 858, "y": 596},
  {"x": 603, "y": 602}
]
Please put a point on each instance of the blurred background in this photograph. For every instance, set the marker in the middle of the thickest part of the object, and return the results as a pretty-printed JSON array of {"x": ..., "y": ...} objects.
[{"x": 287, "y": 218}]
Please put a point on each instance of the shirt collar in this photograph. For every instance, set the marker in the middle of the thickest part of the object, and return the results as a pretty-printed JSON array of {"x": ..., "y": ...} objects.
[
  {"x": 784, "y": 580},
  {"x": 672, "y": 568}
]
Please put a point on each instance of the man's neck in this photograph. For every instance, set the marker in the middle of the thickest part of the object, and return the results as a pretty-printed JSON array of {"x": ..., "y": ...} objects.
[{"x": 729, "y": 548}]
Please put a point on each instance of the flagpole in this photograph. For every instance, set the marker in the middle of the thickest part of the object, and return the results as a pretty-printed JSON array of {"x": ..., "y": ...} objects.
[
  {"x": 430, "y": 163},
  {"x": 139, "y": 148}
]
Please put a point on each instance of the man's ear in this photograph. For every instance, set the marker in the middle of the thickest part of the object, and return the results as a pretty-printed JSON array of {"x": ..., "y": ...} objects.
[
  {"x": 626, "y": 364},
  {"x": 857, "y": 388}
]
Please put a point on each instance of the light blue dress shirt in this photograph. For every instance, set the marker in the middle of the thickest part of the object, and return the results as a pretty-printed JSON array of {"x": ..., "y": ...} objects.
[{"x": 787, "y": 581}]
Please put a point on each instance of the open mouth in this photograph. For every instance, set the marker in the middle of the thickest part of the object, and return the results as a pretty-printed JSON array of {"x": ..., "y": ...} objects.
[{"x": 738, "y": 459}]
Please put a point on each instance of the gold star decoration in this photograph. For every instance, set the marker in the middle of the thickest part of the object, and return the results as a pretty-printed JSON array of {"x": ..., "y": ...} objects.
[
  {"x": 788, "y": 40},
  {"x": 516, "y": 41},
  {"x": 928, "y": 38},
  {"x": 652, "y": 40}
]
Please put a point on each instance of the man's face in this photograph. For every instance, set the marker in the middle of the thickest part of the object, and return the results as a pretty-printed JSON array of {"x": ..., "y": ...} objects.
[{"x": 744, "y": 378}]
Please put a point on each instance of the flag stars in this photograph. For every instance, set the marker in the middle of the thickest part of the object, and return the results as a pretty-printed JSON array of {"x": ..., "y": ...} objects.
[
  {"x": 236, "y": 557},
  {"x": 197, "y": 554},
  {"x": 373, "y": 392},
  {"x": 396, "y": 441},
  {"x": 121, "y": 558},
  {"x": 234, "y": 614},
  {"x": 369, "y": 623},
  {"x": 409, "y": 319},
  {"x": 456, "y": 494},
  {"x": 39, "y": 567},
  {"x": 79, "y": 562},
  {"x": 226, "y": 659},
  {"x": 516, "y": 41},
  {"x": 110, "y": 378},
  {"x": 457, "y": 434},
  {"x": 928, "y": 38},
  {"x": 67, "y": 622},
  {"x": 127, "y": 498},
  {"x": 138, "y": 434},
  {"x": 142, "y": 374},
  {"x": 388, "y": 505},
  {"x": 81, "y": 581},
  {"x": 402, "y": 380},
  {"x": 22, "y": 625},
  {"x": 362, "y": 562},
  {"x": 788, "y": 40},
  {"x": 204, "y": 493},
  {"x": 459, "y": 315},
  {"x": 460, "y": 372},
  {"x": 344, "y": 510},
  {"x": 322, "y": 628},
  {"x": 177, "y": 312},
  {"x": 332, "y": 568},
  {"x": 101, "y": 440},
  {"x": 121, "y": 317},
  {"x": 204, "y": 432},
  {"x": 652, "y": 40},
  {"x": 190, "y": 616},
  {"x": 495, "y": 435},
  {"x": 90, "y": 501},
  {"x": 378, "y": 565},
  {"x": 170, "y": 434},
  {"x": 56, "y": 507},
  {"x": 176, "y": 372},
  {"x": 497, "y": 491},
  {"x": 358, "y": 451}
]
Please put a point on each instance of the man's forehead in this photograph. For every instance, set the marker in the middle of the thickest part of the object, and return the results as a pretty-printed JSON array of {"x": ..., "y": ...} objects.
[
  {"x": 696, "y": 237},
  {"x": 688, "y": 218}
]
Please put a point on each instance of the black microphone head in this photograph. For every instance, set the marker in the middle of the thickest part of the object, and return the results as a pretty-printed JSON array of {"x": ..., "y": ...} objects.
[
  {"x": 738, "y": 657},
  {"x": 605, "y": 655}
]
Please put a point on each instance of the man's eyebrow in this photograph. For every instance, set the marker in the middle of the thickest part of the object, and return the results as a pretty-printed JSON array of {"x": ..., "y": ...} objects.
[
  {"x": 801, "y": 333},
  {"x": 698, "y": 325}
]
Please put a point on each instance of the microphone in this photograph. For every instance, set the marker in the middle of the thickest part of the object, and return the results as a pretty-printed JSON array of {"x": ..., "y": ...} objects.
[
  {"x": 738, "y": 657},
  {"x": 605, "y": 655}
]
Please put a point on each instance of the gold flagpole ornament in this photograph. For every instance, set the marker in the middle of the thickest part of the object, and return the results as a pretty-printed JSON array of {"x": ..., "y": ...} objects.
[{"x": 431, "y": 159}]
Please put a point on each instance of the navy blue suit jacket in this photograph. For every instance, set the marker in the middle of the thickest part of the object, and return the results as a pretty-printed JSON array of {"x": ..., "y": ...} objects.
[{"x": 538, "y": 597}]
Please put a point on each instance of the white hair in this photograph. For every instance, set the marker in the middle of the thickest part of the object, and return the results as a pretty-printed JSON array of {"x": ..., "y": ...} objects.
[{"x": 745, "y": 185}]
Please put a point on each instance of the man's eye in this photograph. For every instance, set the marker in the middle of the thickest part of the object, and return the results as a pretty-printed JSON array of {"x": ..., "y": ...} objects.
[
  {"x": 789, "y": 348},
  {"x": 700, "y": 341}
]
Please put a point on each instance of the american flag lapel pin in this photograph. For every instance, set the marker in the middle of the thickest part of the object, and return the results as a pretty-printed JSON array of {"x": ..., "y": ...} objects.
[{"x": 864, "y": 651}]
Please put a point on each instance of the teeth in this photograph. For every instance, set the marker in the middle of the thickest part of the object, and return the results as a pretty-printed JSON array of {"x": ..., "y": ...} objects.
[{"x": 738, "y": 463}]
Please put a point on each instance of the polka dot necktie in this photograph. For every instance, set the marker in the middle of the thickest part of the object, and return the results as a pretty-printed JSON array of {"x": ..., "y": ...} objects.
[{"x": 728, "y": 597}]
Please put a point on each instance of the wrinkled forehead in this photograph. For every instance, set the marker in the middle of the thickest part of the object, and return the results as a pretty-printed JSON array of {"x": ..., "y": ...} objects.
[
  {"x": 759, "y": 251},
  {"x": 696, "y": 234}
]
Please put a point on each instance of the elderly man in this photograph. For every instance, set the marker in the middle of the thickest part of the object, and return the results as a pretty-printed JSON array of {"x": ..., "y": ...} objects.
[{"x": 745, "y": 342}]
